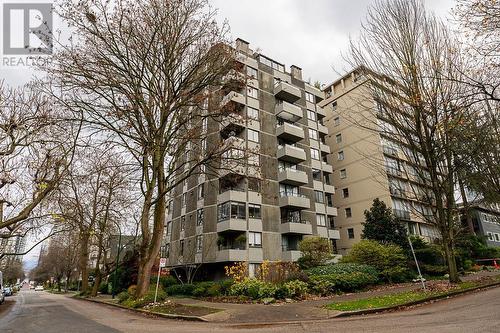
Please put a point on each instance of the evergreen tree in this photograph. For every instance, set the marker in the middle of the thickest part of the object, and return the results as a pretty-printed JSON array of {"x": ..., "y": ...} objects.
[{"x": 382, "y": 226}]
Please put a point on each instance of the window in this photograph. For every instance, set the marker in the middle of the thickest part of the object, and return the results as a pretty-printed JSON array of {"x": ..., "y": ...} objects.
[
  {"x": 252, "y": 92},
  {"x": 334, "y": 106},
  {"x": 199, "y": 216},
  {"x": 204, "y": 124},
  {"x": 252, "y": 269},
  {"x": 167, "y": 250},
  {"x": 252, "y": 72},
  {"x": 490, "y": 236},
  {"x": 348, "y": 212},
  {"x": 497, "y": 237},
  {"x": 255, "y": 239},
  {"x": 311, "y": 115},
  {"x": 201, "y": 191},
  {"x": 350, "y": 233},
  {"x": 319, "y": 197},
  {"x": 265, "y": 61},
  {"x": 336, "y": 121},
  {"x": 252, "y": 113},
  {"x": 253, "y": 135},
  {"x": 254, "y": 211},
  {"x": 289, "y": 190},
  {"x": 313, "y": 134},
  {"x": 314, "y": 154},
  {"x": 181, "y": 247},
  {"x": 254, "y": 184},
  {"x": 340, "y": 155},
  {"x": 338, "y": 138},
  {"x": 310, "y": 97},
  {"x": 169, "y": 228},
  {"x": 231, "y": 209},
  {"x": 316, "y": 174},
  {"x": 345, "y": 192},
  {"x": 203, "y": 145},
  {"x": 321, "y": 220},
  {"x": 183, "y": 200},
  {"x": 199, "y": 243},
  {"x": 343, "y": 173},
  {"x": 183, "y": 222}
]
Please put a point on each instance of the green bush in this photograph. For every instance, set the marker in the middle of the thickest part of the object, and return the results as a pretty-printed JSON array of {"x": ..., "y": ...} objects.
[
  {"x": 331, "y": 283},
  {"x": 315, "y": 252},
  {"x": 434, "y": 270},
  {"x": 225, "y": 286},
  {"x": 390, "y": 260},
  {"x": 123, "y": 296},
  {"x": 295, "y": 288},
  {"x": 181, "y": 289},
  {"x": 133, "y": 302},
  {"x": 165, "y": 281},
  {"x": 103, "y": 288},
  {"x": 342, "y": 268},
  {"x": 253, "y": 288}
]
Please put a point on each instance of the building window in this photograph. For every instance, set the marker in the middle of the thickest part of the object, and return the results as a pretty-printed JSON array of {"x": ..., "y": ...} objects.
[
  {"x": 343, "y": 173},
  {"x": 253, "y": 135},
  {"x": 345, "y": 192},
  {"x": 167, "y": 250},
  {"x": 310, "y": 97},
  {"x": 497, "y": 237},
  {"x": 252, "y": 113},
  {"x": 340, "y": 155},
  {"x": 316, "y": 174},
  {"x": 289, "y": 190},
  {"x": 490, "y": 236},
  {"x": 319, "y": 197},
  {"x": 203, "y": 146},
  {"x": 254, "y": 211},
  {"x": 231, "y": 209},
  {"x": 313, "y": 134},
  {"x": 183, "y": 200},
  {"x": 321, "y": 220},
  {"x": 336, "y": 121},
  {"x": 311, "y": 115},
  {"x": 183, "y": 222},
  {"x": 201, "y": 191},
  {"x": 169, "y": 228},
  {"x": 199, "y": 217},
  {"x": 181, "y": 247},
  {"x": 255, "y": 239},
  {"x": 350, "y": 233},
  {"x": 314, "y": 154},
  {"x": 253, "y": 269},
  {"x": 254, "y": 184},
  {"x": 338, "y": 138},
  {"x": 252, "y": 92},
  {"x": 199, "y": 243},
  {"x": 334, "y": 106},
  {"x": 251, "y": 72},
  {"x": 348, "y": 212}
]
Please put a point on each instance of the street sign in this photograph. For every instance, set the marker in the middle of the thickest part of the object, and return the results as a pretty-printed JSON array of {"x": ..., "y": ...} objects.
[{"x": 163, "y": 262}]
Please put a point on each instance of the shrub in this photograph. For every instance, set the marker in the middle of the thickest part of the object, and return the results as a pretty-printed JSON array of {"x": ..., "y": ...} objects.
[
  {"x": 165, "y": 281},
  {"x": 330, "y": 283},
  {"x": 225, "y": 286},
  {"x": 277, "y": 272},
  {"x": 133, "y": 302},
  {"x": 181, "y": 289},
  {"x": 315, "y": 251},
  {"x": 122, "y": 296},
  {"x": 296, "y": 288},
  {"x": 390, "y": 260},
  {"x": 342, "y": 268},
  {"x": 214, "y": 290},
  {"x": 253, "y": 288},
  {"x": 103, "y": 288},
  {"x": 434, "y": 270},
  {"x": 131, "y": 289}
]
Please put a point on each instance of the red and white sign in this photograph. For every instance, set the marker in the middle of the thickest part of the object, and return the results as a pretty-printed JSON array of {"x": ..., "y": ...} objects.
[{"x": 163, "y": 262}]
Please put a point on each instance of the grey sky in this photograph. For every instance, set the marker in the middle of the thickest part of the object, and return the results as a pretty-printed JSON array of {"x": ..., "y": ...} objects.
[{"x": 311, "y": 34}]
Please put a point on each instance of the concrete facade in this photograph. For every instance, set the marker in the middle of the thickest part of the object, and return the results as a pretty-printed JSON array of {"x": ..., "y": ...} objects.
[{"x": 260, "y": 210}]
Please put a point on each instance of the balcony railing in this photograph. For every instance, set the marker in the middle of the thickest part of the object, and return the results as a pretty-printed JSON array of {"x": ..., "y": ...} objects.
[
  {"x": 390, "y": 150},
  {"x": 402, "y": 214},
  {"x": 393, "y": 171},
  {"x": 289, "y": 248},
  {"x": 232, "y": 247},
  {"x": 294, "y": 221},
  {"x": 288, "y": 194}
]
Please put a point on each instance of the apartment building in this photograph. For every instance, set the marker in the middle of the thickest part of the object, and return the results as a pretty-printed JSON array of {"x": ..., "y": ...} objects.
[
  {"x": 367, "y": 164},
  {"x": 485, "y": 221},
  {"x": 262, "y": 209}
]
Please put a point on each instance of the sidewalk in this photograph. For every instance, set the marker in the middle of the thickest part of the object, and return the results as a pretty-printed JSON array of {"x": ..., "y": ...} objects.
[{"x": 308, "y": 310}]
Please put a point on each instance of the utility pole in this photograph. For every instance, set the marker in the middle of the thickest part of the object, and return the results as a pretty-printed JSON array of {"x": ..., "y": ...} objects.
[{"x": 421, "y": 278}]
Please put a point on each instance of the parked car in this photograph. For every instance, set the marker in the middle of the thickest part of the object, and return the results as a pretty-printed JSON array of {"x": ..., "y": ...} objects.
[
  {"x": 7, "y": 291},
  {"x": 39, "y": 288},
  {"x": 32, "y": 287}
]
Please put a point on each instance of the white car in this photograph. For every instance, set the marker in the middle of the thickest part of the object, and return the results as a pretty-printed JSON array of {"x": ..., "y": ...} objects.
[{"x": 39, "y": 288}]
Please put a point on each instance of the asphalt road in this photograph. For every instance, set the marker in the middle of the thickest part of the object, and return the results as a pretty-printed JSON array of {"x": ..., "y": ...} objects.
[{"x": 42, "y": 312}]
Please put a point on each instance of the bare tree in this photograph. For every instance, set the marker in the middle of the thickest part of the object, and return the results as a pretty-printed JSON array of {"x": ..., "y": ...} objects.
[
  {"x": 407, "y": 56},
  {"x": 149, "y": 74}
]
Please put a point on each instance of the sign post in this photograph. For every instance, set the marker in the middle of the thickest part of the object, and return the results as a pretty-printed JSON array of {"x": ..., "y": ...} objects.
[{"x": 163, "y": 263}]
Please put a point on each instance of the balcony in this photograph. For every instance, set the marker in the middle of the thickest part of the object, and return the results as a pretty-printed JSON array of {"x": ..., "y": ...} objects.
[
  {"x": 333, "y": 234},
  {"x": 290, "y": 132},
  {"x": 291, "y": 154},
  {"x": 232, "y": 195},
  {"x": 302, "y": 228},
  {"x": 233, "y": 97},
  {"x": 292, "y": 177},
  {"x": 295, "y": 201},
  {"x": 402, "y": 214},
  {"x": 394, "y": 171},
  {"x": 324, "y": 148},
  {"x": 288, "y": 111},
  {"x": 390, "y": 150},
  {"x": 329, "y": 188},
  {"x": 232, "y": 124},
  {"x": 232, "y": 224},
  {"x": 286, "y": 92},
  {"x": 320, "y": 111},
  {"x": 290, "y": 254},
  {"x": 231, "y": 255},
  {"x": 326, "y": 167},
  {"x": 322, "y": 129},
  {"x": 331, "y": 211},
  {"x": 235, "y": 142}
]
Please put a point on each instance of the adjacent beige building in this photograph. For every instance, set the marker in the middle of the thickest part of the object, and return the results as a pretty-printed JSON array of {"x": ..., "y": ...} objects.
[{"x": 367, "y": 164}]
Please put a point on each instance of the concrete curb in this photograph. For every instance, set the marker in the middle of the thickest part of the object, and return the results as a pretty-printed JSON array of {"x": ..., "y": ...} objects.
[
  {"x": 428, "y": 299},
  {"x": 157, "y": 314}
]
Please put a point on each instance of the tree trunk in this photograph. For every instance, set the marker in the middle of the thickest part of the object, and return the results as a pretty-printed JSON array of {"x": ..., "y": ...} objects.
[
  {"x": 450, "y": 259},
  {"x": 83, "y": 261},
  {"x": 97, "y": 280}
]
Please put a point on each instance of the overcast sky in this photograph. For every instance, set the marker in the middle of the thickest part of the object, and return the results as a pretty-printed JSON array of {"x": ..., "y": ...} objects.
[{"x": 310, "y": 34}]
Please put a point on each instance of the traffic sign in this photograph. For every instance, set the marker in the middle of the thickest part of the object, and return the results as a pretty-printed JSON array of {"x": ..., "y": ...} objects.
[{"x": 163, "y": 262}]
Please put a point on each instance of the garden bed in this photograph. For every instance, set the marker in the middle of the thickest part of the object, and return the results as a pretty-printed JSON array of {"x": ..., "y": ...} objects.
[{"x": 180, "y": 309}]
